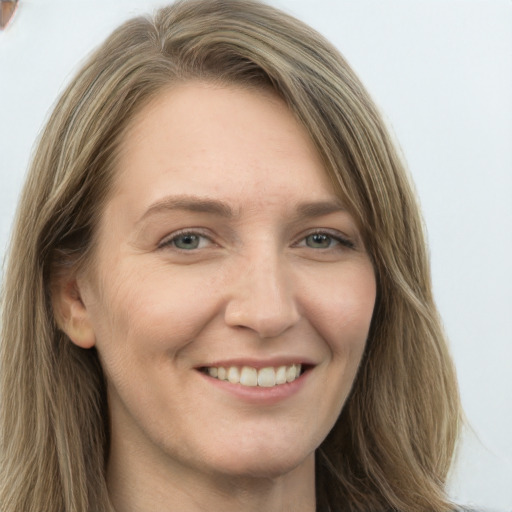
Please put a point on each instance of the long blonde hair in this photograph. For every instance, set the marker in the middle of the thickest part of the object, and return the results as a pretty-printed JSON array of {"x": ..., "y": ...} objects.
[{"x": 392, "y": 445}]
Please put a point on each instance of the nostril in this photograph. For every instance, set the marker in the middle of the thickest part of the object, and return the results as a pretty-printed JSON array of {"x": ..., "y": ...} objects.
[{"x": 267, "y": 320}]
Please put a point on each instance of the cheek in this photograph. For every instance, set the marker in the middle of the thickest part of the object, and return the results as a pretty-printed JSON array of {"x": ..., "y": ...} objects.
[
  {"x": 342, "y": 311},
  {"x": 150, "y": 310}
]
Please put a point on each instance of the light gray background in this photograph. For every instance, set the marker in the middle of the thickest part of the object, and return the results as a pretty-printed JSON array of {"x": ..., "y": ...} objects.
[{"x": 441, "y": 71}]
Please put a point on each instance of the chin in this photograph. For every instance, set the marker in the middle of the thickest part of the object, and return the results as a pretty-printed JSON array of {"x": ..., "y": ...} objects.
[{"x": 263, "y": 463}]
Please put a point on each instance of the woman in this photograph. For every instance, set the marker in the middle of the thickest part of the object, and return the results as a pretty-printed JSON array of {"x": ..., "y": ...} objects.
[{"x": 218, "y": 294}]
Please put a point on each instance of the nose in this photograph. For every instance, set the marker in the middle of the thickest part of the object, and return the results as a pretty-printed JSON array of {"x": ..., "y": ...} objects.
[{"x": 262, "y": 297}]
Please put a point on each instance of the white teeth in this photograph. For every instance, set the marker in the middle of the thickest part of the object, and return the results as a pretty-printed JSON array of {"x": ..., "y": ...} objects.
[
  {"x": 281, "y": 375},
  {"x": 266, "y": 377},
  {"x": 233, "y": 375},
  {"x": 291, "y": 373},
  {"x": 221, "y": 374},
  {"x": 249, "y": 376}
]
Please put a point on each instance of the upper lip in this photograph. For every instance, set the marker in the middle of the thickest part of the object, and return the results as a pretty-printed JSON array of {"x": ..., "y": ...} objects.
[{"x": 259, "y": 363}]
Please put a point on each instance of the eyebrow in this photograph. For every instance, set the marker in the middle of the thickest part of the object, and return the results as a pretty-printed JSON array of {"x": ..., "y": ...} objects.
[
  {"x": 319, "y": 208},
  {"x": 214, "y": 206},
  {"x": 189, "y": 203}
]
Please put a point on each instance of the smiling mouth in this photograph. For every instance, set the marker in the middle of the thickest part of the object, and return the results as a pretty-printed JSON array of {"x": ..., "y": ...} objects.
[{"x": 263, "y": 377}]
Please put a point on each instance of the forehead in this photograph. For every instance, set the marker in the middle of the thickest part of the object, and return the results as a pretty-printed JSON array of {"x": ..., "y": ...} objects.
[{"x": 227, "y": 141}]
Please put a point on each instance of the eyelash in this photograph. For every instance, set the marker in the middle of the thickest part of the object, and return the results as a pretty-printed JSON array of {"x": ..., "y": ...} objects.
[{"x": 336, "y": 237}]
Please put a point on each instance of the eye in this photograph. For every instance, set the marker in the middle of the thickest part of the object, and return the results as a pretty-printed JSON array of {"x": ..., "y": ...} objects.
[
  {"x": 325, "y": 240},
  {"x": 186, "y": 241},
  {"x": 319, "y": 241}
]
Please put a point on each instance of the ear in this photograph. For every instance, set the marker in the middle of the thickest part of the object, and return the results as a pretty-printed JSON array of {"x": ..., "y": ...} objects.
[{"x": 70, "y": 312}]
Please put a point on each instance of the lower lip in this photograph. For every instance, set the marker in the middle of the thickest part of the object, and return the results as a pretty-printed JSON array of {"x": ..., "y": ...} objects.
[{"x": 259, "y": 395}]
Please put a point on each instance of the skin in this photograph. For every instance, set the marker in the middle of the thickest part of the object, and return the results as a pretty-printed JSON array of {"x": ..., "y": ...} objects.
[{"x": 234, "y": 169}]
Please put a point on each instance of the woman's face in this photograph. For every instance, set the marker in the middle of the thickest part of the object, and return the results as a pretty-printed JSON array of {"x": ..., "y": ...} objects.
[{"x": 223, "y": 253}]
